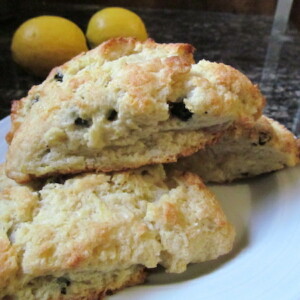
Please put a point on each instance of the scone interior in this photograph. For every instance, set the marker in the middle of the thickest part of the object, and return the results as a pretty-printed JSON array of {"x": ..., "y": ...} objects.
[
  {"x": 123, "y": 105},
  {"x": 92, "y": 233},
  {"x": 245, "y": 151}
]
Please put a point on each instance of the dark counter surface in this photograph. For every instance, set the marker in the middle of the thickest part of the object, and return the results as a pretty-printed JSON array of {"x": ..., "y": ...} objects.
[{"x": 238, "y": 40}]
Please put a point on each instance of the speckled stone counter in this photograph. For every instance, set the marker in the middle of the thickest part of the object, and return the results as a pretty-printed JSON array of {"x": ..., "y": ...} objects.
[{"x": 238, "y": 40}]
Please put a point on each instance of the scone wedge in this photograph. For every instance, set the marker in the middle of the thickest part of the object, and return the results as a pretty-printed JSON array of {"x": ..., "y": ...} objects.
[
  {"x": 245, "y": 151},
  {"x": 95, "y": 233},
  {"x": 124, "y": 105}
]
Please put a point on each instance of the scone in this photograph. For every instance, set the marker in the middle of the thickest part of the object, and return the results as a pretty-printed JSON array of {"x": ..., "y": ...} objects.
[
  {"x": 123, "y": 105},
  {"x": 95, "y": 233},
  {"x": 5, "y": 182},
  {"x": 245, "y": 152}
]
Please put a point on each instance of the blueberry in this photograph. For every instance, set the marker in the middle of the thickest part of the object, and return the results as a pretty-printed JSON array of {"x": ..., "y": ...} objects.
[
  {"x": 179, "y": 110},
  {"x": 35, "y": 100},
  {"x": 245, "y": 174},
  {"x": 82, "y": 122},
  {"x": 63, "y": 283},
  {"x": 57, "y": 179},
  {"x": 263, "y": 138},
  {"x": 63, "y": 290},
  {"x": 59, "y": 76},
  {"x": 112, "y": 115}
]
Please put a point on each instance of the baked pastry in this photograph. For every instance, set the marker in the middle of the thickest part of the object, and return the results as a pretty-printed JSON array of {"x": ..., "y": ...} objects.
[
  {"x": 95, "y": 233},
  {"x": 5, "y": 182},
  {"x": 245, "y": 152},
  {"x": 123, "y": 105}
]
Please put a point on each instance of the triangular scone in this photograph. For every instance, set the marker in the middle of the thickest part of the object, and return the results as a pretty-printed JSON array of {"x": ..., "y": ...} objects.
[
  {"x": 123, "y": 105},
  {"x": 245, "y": 152},
  {"x": 97, "y": 232}
]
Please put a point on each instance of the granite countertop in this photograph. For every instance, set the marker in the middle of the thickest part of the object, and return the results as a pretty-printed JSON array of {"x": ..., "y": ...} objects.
[{"x": 238, "y": 40}]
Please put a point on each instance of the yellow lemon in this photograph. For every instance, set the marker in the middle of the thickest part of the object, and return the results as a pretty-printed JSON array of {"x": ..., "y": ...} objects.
[
  {"x": 114, "y": 22},
  {"x": 44, "y": 42}
]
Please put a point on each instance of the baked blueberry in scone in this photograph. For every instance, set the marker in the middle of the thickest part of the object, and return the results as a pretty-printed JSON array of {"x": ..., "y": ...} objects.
[
  {"x": 245, "y": 151},
  {"x": 93, "y": 234},
  {"x": 123, "y": 105}
]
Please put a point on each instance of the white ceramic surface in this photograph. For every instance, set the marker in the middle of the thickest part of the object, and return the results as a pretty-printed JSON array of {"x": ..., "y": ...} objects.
[{"x": 265, "y": 262}]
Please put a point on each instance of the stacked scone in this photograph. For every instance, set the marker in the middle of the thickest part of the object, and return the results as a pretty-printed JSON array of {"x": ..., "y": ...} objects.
[
  {"x": 83, "y": 213},
  {"x": 244, "y": 151}
]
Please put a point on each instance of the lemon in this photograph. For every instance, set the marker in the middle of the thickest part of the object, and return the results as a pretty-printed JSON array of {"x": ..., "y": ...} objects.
[
  {"x": 114, "y": 22},
  {"x": 44, "y": 42}
]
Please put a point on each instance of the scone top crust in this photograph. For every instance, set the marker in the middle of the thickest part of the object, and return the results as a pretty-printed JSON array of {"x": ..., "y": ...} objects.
[
  {"x": 225, "y": 91},
  {"x": 121, "y": 74},
  {"x": 138, "y": 80},
  {"x": 106, "y": 222}
]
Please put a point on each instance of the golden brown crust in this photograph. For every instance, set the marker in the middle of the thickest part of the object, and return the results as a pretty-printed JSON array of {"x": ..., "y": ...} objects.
[
  {"x": 230, "y": 85},
  {"x": 193, "y": 179},
  {"x": 114, "y": 48},
  {"x": 287, "y": 142},
  {"x": 15, "y": 111},
  {"x": 8, "y": 261},
  {"x": 5, "y": 182}
]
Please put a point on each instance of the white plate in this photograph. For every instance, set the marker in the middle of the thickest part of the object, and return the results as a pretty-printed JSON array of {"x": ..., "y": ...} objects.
[{"x": 265, "y": 263}]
